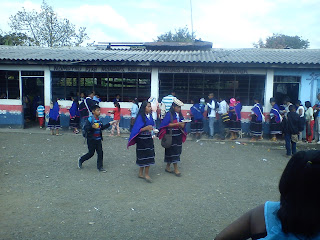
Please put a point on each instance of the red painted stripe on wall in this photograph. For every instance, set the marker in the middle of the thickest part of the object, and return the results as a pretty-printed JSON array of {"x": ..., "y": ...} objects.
[{"x": 18, "y": 108}]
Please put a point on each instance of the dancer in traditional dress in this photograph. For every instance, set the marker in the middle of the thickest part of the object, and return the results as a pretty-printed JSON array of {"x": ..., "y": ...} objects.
[
  {"x": 54, "y": 119},
  {"x": 275, "y": 120},
  {"x": 256, "y": 120},
  {"x": 235, "y": 117},
  {"x": 197, "y": 111},
  {"x": 141, "y": 134},
  {"x": 173, "y": 120},
  {"x": 74, "y": 115}
]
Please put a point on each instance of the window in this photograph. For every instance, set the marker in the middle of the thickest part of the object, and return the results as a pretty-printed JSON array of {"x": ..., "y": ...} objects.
[
  {"x": 195, "y": 86},
  {"x": 106, "y": 85},
  {"x": 9, "y": 85}
]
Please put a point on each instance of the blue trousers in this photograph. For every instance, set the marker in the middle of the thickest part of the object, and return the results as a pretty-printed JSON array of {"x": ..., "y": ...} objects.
[
  {"x": 290, "y": 146},
  {"x": 211, "y": 126}
]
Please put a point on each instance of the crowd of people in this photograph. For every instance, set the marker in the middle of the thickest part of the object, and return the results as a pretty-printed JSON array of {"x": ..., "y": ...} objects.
[{"x": 295, "y": 216}]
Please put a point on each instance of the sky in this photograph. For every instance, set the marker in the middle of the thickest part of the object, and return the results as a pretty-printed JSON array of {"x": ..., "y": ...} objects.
[{"x": 225, "y": 23}]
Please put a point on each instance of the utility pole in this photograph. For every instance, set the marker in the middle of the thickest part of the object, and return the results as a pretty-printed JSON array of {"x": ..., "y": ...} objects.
[{"x": 191, "y": 19}]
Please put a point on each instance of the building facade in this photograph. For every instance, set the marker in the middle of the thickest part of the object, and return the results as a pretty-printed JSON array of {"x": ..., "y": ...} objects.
[{"x": 46, "y": 74}]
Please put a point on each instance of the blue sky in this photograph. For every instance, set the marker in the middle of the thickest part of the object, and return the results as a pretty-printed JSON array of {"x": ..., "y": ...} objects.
[{"x": 226, "y": 23}]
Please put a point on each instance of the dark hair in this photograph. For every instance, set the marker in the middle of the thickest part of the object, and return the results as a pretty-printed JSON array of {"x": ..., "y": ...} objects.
[
  {"x": 292, "y": 108},
  {"x": 272, "y": 100},
  {"x": 173, "y": 112},
  {"x": 307, "y": 104},
  {"x": 142, "y": 111},
  {"x": 238, "y": 99},
  {"x": 116, "y": 104},
  {"x": 94, "y": 107},
  {"x": 257, "y": 98},
  {"x": 89, "y": 93},
  {"x": 299, "y": 211},
  {"x": 136, "y": 101}
]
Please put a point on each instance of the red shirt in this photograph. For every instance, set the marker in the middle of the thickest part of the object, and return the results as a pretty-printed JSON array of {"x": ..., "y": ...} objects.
[{"x": 116, "y": 114}]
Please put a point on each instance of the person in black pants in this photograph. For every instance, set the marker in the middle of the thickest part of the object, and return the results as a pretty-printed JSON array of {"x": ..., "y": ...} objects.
[
  {"x": 93, "y": 128},
  {"x": 291, "y": 129}
]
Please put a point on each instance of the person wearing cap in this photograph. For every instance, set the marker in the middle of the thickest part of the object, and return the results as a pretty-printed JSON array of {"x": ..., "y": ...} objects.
[
  {"x": 173, "y": 120},
  {"x": 197, "y": 111}
]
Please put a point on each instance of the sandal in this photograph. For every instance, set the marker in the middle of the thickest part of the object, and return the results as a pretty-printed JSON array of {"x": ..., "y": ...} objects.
[{"x": 168, "y": 171}]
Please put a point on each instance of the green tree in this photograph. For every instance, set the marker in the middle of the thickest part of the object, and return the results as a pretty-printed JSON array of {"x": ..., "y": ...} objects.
[
  {"x": 45, "y": 28},
  {"x": 180, "y": 35},
  {"x": 15, "y": 39},
  {"x": 281, "y": 41}
]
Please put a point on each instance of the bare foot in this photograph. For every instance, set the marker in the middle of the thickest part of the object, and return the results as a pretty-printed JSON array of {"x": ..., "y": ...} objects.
[{"x": 141, "y": 176}]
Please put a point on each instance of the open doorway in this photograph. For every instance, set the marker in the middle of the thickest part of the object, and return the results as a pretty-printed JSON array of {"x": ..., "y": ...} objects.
[
  {"x": 286, "y": 86},
  {"x": 33, "y": 96}
]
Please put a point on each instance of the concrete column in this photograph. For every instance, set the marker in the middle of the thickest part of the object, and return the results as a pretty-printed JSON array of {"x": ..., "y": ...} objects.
[
  {"x": 155, "y": 83},
  {"x": 268, "y": 92},
  {"x": 47, "y": 86}
]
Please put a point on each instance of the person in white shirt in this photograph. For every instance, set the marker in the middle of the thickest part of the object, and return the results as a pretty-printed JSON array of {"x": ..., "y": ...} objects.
[
  {"x": 223, "y": 109},
  {"x": 211, "y": 113},
  {"x": 300, "y": 111}
]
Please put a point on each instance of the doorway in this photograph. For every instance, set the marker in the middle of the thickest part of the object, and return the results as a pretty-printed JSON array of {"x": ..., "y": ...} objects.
[
  {"x": 286, "y": 86},
  {"x": 32, "y": 96}
]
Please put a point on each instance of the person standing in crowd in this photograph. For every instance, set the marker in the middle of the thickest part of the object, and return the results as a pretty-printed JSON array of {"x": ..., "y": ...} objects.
[
  {"x": 296, "y": 216},
  {"x": 54, "y": 118},
  {"x": 154, "y": 107},
  {"x": 93, "y": 128},
  {"x": 316, "y": 110},
  {"x": 173, "y": 120},
  {"x": 116, "y": 117},
  {"x": 141, "y": 135},
  {"x": 235, "y": 117},
  {"x": 223, "y": 110},
  {"x": 286, "y": 104},
  {"x": 40, "y": 114},
  {"x": 291, "y": 130},
  {"x": 309, "y": 121},
  {"x": 168, "y": 100},
  {"x": 134, "y": 111},
  {"x": 117, "y": 98},
  {"x": 74, "y": 115},
  {"x": 275, "y": 120},
  {"x": 96, "y": 97},
  {"x": 85, "y": 108},
  {"x": 256, "y": 120},
  {"x": 300, "y": 111},
  {"x": 211, "y": 114},
  {"x": 197, "y": 111},
  {"x": 82, "y": 96}
]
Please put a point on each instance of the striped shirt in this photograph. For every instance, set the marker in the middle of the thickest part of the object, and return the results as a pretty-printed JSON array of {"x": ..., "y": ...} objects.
[
  {"x": 40, "y": 111},
  {"x": 167, "y": 101}
]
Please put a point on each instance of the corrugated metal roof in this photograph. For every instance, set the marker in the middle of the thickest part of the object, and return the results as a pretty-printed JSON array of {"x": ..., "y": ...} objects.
[{"x": 246, "y": 55}]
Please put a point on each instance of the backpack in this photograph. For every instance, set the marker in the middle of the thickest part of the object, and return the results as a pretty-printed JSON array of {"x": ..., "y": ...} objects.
[{"x": 83, "y": 130}]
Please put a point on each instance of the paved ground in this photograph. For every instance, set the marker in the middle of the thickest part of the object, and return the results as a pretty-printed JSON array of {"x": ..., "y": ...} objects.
[{"x": 43, "y": 195}]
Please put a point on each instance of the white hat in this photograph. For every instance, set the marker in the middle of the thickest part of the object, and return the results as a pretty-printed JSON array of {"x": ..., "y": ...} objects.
[{"x": 178, "y": 102}]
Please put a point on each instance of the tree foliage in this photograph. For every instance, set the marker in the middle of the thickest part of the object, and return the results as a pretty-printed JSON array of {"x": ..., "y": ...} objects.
[
  {"x": 180, "y": 35},
  {"x": 45, "y": 28},
  {"x": 15, "y": 39},
  {"x": 281, "y": 41}
]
